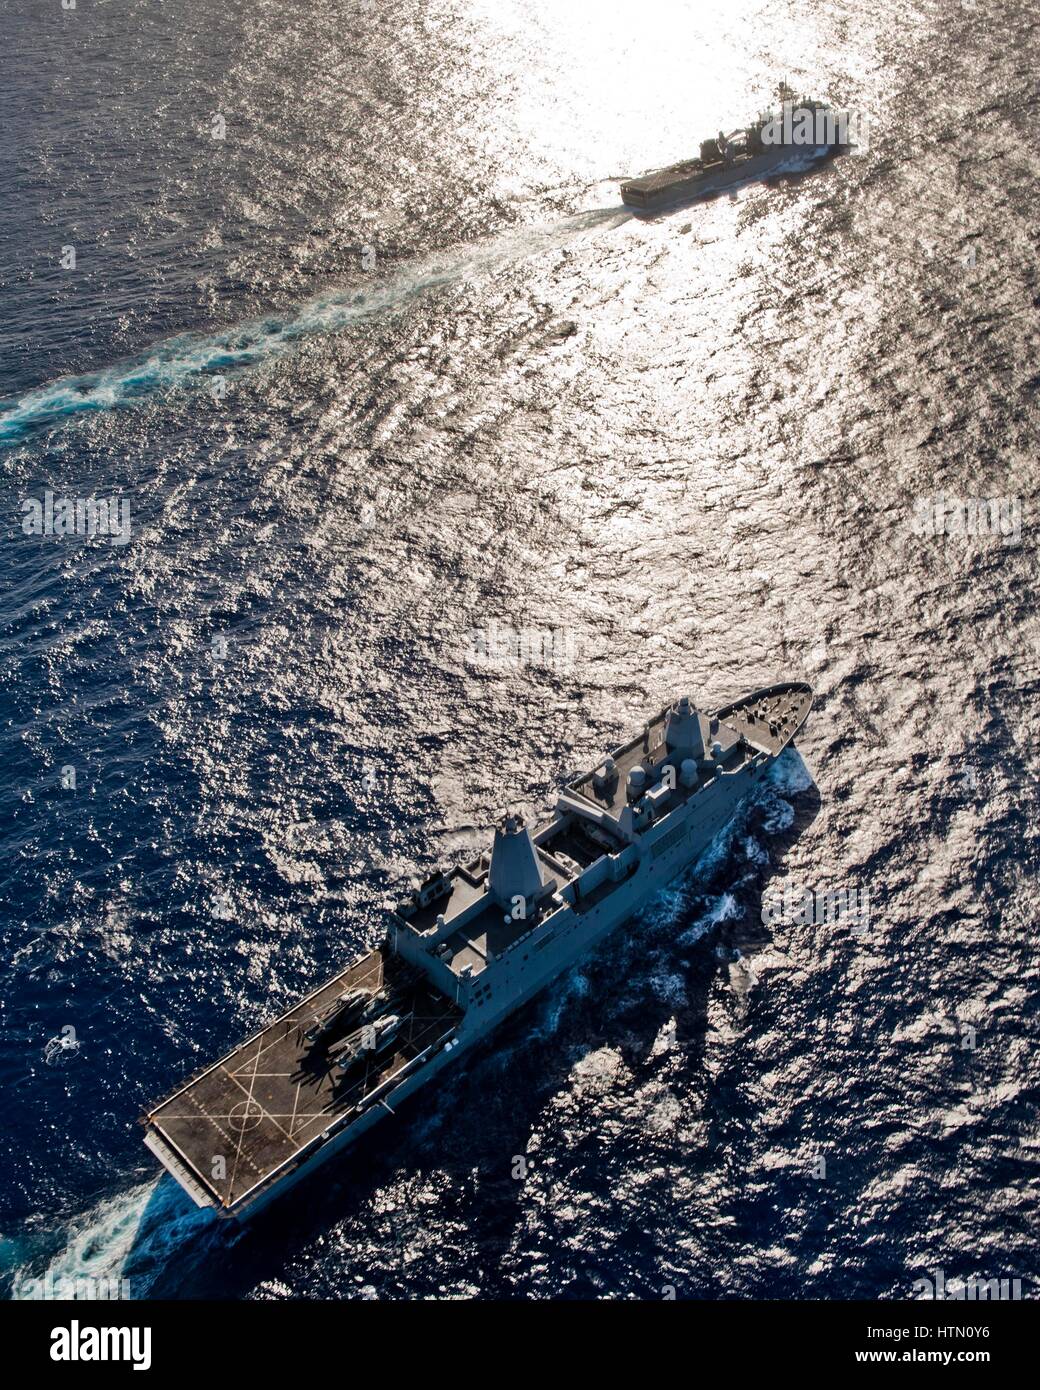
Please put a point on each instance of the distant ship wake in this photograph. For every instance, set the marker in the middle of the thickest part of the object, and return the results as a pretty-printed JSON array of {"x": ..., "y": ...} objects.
[{"x": 190, "y": 359}]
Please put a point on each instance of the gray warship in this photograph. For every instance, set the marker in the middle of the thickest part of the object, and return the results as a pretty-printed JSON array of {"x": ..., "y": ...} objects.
[
  {"x": 802, "y": 128},
  {"x": 465, "y": 949}
]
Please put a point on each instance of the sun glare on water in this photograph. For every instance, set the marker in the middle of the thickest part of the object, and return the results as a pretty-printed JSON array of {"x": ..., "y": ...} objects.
[{"x": 615, "y": 86}]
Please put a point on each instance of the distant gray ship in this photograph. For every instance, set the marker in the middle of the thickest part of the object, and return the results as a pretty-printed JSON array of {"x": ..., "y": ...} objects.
[
  {"x": 468, "y": 947},
  {"x": 802, "y": 128}
]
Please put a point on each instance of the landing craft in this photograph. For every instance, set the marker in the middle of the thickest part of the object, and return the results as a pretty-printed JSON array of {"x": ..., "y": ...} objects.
[{"x": 468, "y": 947}]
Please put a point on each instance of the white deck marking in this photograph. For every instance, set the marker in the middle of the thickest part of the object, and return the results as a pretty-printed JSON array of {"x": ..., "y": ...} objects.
[
  {"x": 249, "y": 1097},
  {"x": 242, "y": 1132}
]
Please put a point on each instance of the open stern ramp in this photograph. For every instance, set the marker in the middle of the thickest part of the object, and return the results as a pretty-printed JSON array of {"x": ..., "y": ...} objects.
[{"x": 253, "y": 1116}]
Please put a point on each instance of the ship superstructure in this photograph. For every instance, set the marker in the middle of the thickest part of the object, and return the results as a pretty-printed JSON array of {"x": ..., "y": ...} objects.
[
  {"x": 803, "y": 127},
  {"x": 466, "y": 948}
]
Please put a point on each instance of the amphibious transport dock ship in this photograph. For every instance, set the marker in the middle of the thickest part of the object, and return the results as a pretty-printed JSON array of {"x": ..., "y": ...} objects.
[
  {"x": 803, "y": 127},
  {"x": 466, "y": 948}
]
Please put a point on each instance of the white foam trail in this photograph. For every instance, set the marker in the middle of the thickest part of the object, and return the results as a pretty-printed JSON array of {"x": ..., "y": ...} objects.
[
  {"x": 131, "y": 1236},
  {"x": 789, "y": 774},
  {"x": 555, "y": 1003},
  {"x": 724, "y": 909},
  {"x": 179, "y": 360}
]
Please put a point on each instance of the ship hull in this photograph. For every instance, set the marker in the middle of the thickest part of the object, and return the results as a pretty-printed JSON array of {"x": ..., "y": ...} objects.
[
  {"x": 184, "y": 1142},
  {"x": 679, "y": 192},
  {"x": 584, "y": 937}
]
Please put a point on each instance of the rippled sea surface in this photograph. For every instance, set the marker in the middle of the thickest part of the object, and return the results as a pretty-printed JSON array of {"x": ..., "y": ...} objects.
[{"x": 389, "y": 363}]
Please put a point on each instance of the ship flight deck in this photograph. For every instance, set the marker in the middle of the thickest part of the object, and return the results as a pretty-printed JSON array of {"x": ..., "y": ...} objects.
[{"x": 255, "y": 1113}]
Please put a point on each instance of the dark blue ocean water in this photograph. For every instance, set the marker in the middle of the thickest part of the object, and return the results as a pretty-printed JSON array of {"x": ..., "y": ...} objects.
[{"x": 388, "y": 363}]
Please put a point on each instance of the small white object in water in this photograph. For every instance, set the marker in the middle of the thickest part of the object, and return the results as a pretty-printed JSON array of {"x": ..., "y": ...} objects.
[{"x": 60, "y": 1048}]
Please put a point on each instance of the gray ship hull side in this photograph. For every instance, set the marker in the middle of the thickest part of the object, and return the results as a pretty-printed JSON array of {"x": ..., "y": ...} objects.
[{"x": 690, "y": 190}]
